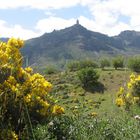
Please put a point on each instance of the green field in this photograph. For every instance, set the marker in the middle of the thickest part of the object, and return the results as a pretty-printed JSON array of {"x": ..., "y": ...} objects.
[
  {"x": 109, "y": 122},
  {"x": 70, "y": 94}
]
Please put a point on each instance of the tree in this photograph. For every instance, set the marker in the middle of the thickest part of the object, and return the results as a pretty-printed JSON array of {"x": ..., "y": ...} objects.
[
  {"x": 104, "y": 63},
  {"x": 87, "y": 63},
  {"x": 134, "y": 64},
  {"x": 50, "y": 70},
  {"x": 77, "y": 65},
  {"x": 118, "y": 62},
  {"x": 73, "y": 65}
]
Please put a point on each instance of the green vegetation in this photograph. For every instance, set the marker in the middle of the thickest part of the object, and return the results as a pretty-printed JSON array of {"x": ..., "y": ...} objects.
[
  {"x": 134, "y": 64},
  {"x": 118, "y": 62},
  {"x": 88, "y": 77},
  {"x": 73, "y": 65},
  {"x": 90, "y": 128},
  {"x": 87, "y": 63},
  {"x": 78, "y": 65},
  {"x": 50, "y": 70},
  {"x": 90, "y": 115},
  {"x": 86, "y": 102},
  {"x": 104, "y": 63}
]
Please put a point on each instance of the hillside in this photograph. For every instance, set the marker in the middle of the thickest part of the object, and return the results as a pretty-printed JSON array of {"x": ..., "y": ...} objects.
[
  {"x": 70, "y": 92},
  {"x": 76, "y": 42}
]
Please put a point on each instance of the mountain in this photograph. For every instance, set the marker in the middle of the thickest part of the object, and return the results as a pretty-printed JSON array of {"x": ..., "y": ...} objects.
[
  {"x": 130, "y": 39},
  {"x": 4, "y": 39},
  {"x": 76, "y": 42}
]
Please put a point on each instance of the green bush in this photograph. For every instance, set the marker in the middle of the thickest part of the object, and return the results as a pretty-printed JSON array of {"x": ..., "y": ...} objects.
[
  {"x": 134, "y": 64},
  {"x": 50, "y": 70},
  {"x": 104, "y": 63},
  {"x": 73, "y": 65},
  {"x": 87, "y": 63},
  {"x": 118, "y": 62},
  {"x": 88, "y": 77},
  {"x": 77, "y": 65}
]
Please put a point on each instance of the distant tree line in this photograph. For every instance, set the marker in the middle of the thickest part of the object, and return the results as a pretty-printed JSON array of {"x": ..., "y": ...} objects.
[
  {"x": 118, "y": 62},
  {"x": 77, "y": 65}
]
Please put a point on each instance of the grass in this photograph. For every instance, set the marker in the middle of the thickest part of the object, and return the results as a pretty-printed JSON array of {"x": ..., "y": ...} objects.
[
  {"x": 72, "y": 96},
  {"x": 80, "y": 128},
  {"x": 110, "y": 123}
]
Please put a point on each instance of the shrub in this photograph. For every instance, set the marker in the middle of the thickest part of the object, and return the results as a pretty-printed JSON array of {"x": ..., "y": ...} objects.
[
  {"x": 129, "y": 95},
  {"x": 87, "y": 63},
  {"x": 104, "y": 63},
  {"x": 88, "y": 77},
  {"x": 73, "y": 65},
  {"x": 24, "y": 97},
  {"x": 134, "y": 64},
  {"x": 118, "y": 62},
  {"x": 50, "y": 70},
  {"x": 77, "y": 65}
]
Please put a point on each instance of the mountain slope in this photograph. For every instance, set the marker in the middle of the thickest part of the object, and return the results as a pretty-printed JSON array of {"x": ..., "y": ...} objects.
[
  {"x": 76, "y": 42},
  {"x": 4, "y": 39}
]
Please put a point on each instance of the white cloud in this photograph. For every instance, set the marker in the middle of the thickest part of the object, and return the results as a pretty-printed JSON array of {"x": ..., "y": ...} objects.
[
  {"x": 15, "y": 31},
  {"x": 106, "y": 29},
  {"x": 107, "y": 13},
  {"x": 51, "y": 23},
  {"x": 38, "y": 4},
  {"x": 106, "y": 16}
]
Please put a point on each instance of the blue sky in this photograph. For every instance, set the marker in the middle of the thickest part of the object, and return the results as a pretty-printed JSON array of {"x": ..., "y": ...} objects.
[{"x": 31, "y": 18}]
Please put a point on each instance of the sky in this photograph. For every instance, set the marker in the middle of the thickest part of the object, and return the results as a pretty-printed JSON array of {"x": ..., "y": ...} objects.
[{"x": 27, "y": 19}]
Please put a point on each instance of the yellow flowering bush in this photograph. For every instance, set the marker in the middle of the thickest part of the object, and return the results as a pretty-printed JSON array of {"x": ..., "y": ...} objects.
[
  {"x": 22, "y": 93},
  {"x": 130, "y": 94}
]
